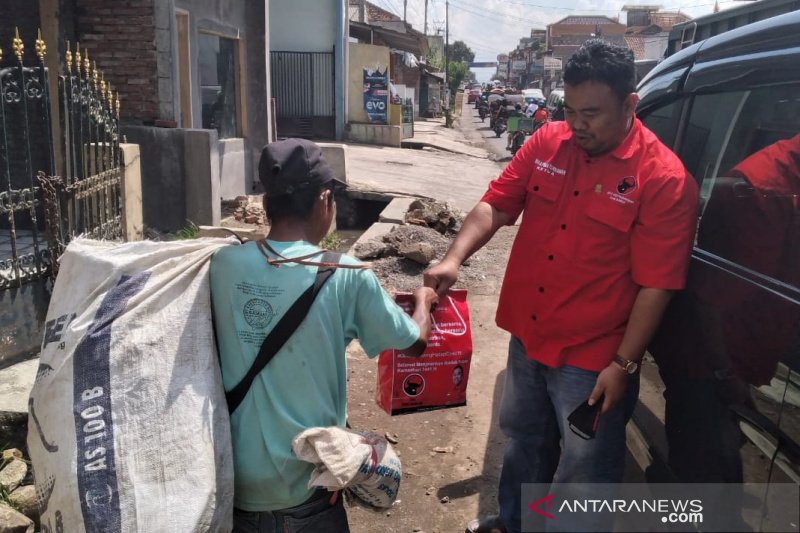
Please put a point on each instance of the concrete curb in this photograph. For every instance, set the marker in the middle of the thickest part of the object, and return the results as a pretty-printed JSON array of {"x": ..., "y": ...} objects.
[
  {"x": 395, "y": 212},
  {"x": 16, "y": 382},
  {"x": 376, "y": 230},
  {"x": 419, "y": 144}
]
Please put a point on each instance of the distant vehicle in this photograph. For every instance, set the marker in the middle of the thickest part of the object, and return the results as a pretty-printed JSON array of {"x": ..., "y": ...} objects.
[
  {"x": 551, "y": 104},
  {"x": 473, "y": 95},
  {"x": 536, "y": 94}
]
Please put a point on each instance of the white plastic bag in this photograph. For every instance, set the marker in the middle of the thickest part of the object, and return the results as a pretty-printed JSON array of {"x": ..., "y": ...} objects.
[
  {"x": 129, "y": 428},
  {"x": 362, "y": 462}
]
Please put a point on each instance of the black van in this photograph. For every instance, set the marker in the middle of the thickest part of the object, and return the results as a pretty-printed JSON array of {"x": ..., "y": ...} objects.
[{"x": 723, "y": 402}]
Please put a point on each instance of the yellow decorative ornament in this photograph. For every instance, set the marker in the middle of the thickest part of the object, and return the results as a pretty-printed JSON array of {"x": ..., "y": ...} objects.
[
  {"x": 41, "y": 48},
  {"x": 86, "y": 64},
  {"x": 68, "y": 59},
  {"x": 78, "y": 58},
  {"x": 19, "y": 48}
]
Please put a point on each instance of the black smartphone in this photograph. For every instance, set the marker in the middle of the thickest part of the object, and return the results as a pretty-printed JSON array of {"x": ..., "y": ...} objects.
[{"x": 583, "y": 420}]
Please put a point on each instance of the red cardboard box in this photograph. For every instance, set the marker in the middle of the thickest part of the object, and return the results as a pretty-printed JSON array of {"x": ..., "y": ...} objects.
[{"x": 438, "y": 378}]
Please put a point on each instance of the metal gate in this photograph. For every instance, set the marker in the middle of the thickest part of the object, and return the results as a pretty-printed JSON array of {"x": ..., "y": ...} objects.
[
  {"x": 39, "y": 211},
  {"x": 303, "y": 86}
]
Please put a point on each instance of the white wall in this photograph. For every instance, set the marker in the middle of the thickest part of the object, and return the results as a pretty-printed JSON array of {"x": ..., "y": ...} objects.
[
  {"x": 655, "y": 45},
  {"x": 302, "y": 25}
]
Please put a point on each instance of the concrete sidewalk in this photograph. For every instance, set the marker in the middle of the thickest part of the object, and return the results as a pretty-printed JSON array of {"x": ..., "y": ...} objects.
[
  {"x": 451, "y": 168},
  {"x": 432, "y": 133}
]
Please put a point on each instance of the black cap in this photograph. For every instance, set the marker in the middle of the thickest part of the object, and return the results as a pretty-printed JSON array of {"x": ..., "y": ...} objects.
[{"x": 292, "y": 164}]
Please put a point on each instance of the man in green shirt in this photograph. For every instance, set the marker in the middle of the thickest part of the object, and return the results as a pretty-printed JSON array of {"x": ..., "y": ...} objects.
[{"x": 304, "y": 386}]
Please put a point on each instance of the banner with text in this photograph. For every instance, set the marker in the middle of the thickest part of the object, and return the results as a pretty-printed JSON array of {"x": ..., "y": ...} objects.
[{"x": 376, "y": 94}]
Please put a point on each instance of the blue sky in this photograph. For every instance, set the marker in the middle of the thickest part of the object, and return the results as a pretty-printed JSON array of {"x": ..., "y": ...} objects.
[{"x": 491, "y": 27}]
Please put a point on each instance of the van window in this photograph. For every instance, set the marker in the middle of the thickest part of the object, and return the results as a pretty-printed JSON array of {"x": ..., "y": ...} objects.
[
  {"x": 663, "y": 122},
  {"x": 752, "y": 210},
  {"x": 707, "y": 131}
]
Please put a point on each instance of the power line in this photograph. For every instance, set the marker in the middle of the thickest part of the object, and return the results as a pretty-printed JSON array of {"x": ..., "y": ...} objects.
[
  {"x": 485, "y": 13},
  {"x": 548, "y": 7}
]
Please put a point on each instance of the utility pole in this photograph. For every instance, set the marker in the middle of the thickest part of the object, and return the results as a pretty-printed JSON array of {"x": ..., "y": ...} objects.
[
  {"x": 405, "y": 9},
  {"x": 426, "y": 17},
  {"x": 447, "y": 44}
]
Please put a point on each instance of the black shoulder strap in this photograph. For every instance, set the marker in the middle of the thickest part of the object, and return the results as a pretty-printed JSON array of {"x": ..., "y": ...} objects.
[{"x": 282, "y": 331}]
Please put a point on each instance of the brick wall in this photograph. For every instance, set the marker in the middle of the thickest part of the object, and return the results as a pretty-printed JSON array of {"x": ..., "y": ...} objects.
[{"x": 120, "y": 35}]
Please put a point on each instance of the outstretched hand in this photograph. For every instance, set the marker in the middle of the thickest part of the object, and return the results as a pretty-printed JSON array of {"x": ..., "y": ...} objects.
[{"x": 441, "y": 276}]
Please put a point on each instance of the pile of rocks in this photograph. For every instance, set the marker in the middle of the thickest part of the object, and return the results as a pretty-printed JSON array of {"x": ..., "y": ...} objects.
[
  {"x": 19, "y": 512},
  {"x": 436, "y": 215},
  {"x": 416, "y": 243},
  {"x": 247, "y": 211},
  {"x": 424, "y": 238}
]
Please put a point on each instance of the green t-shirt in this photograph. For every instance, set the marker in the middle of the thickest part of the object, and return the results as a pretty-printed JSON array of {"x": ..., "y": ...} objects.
[{"x": 305, "y": 383}]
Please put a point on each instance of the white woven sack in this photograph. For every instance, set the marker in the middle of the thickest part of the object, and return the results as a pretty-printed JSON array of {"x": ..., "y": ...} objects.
[
  {"x": 362, "y": 462},
  {"x": 129, "y": 428}
]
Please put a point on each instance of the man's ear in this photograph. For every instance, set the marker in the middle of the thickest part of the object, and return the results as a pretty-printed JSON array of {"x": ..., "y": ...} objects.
[{"x": 630, "y": 103}]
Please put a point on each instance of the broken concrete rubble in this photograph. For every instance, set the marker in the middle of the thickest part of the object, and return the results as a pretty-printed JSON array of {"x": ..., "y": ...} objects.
[
  {"x": 246, "y": 209},
  {"x": 12, "y": 475},
  {"x": 24, "y": 499},
  {"x": 434, "y": 214},
  {"x": 12, "y": 521},
  {"x": 419, "y": 252},
  {"x": 372, "y": 249}
]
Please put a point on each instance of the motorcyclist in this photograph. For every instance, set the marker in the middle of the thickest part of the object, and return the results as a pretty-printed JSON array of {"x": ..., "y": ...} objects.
[
  {"x": 483, "y": 107},
  {"x": 558, "y": 114},
  {"x": 539, "y": 116},
  {"x": 516, "y": 111}
]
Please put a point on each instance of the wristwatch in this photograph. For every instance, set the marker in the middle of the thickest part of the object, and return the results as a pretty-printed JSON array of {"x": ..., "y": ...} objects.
[{"x": 627, "y": 366}]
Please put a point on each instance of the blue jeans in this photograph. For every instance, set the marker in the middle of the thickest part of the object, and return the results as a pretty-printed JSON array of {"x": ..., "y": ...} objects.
[
  {"x": 322, "y": 513},
  {"x": 536, "y": 402}
]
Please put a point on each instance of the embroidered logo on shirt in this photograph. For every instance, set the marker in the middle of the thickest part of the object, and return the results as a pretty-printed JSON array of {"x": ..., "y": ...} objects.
[
  {"x": 626, "y": 185},
  {"x": 547, "y": 168},
  {"x": 258, "y": 313}
]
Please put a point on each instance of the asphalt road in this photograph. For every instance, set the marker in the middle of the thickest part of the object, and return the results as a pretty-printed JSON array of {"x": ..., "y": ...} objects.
[{"x": 472, "y": 126}]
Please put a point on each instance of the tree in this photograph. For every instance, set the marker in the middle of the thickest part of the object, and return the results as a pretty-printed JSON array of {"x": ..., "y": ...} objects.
[
  {"x": 435, "y": 60},
  {"x": 459, "y": 51},
  {"x": 456, "y": 73}
]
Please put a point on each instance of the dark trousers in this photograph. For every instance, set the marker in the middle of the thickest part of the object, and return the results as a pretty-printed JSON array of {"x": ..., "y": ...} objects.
[{"x": 322, "y": 513}]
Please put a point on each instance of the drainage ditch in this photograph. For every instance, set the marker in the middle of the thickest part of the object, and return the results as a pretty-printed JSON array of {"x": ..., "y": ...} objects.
[{"x": 355, "y": 213}]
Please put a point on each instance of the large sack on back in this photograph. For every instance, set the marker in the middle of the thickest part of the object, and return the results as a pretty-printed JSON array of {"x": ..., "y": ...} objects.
[{"x": 128, "y": 426}]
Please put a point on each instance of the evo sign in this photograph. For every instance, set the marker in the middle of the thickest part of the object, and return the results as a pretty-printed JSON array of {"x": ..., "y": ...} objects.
[{"x": 376, "y": 94}]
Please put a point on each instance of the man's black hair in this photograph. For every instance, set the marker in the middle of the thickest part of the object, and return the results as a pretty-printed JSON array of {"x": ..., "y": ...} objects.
[
  {"x": 599, "y": 61},
  {"x": 297, "y": 205}
]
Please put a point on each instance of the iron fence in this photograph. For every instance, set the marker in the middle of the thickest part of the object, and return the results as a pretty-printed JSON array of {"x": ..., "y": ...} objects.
[{"x": 40, "y": 211}]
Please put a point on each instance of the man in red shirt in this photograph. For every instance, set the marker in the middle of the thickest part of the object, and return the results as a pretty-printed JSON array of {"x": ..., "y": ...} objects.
[{"x": 608, "y": 219}]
